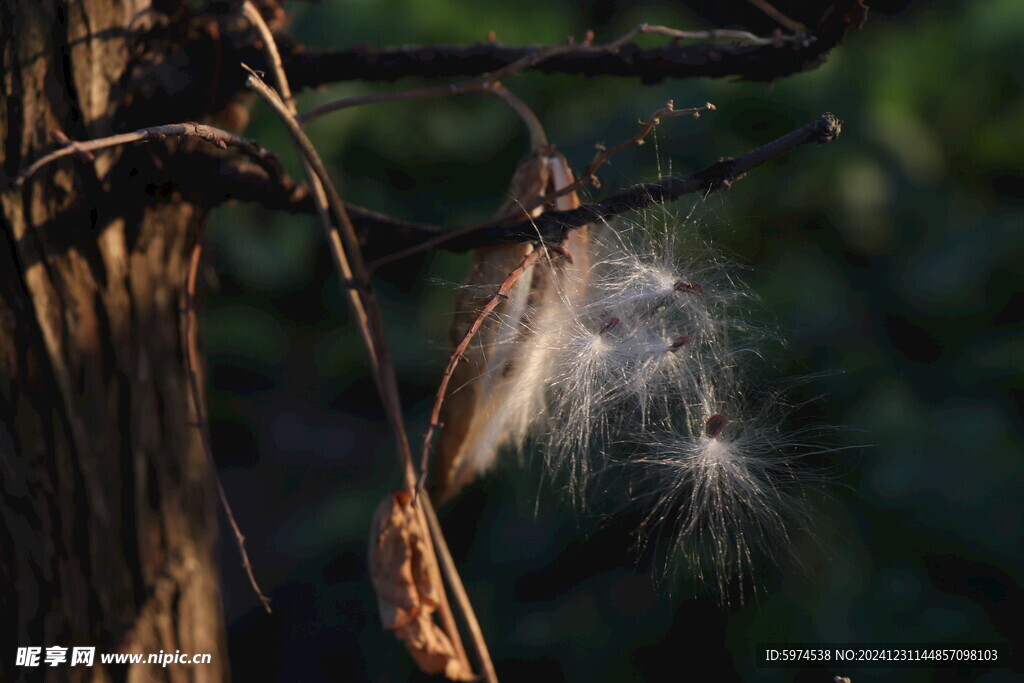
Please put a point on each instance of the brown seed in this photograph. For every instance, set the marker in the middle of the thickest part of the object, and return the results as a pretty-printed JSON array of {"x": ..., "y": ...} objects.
[
  {"x": 678, "y": 343},
  {"x": 715, "y": 424}
]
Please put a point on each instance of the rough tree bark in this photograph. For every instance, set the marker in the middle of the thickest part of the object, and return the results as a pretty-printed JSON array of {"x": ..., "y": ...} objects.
[{"x": 108, "y": 521}]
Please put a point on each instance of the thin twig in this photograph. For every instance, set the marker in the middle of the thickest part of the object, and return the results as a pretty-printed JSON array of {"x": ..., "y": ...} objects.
[
  {"x": 215, "y": 136},
  {"x": 435, "y": 414},
  {"x": 713, "y": 34},
  {"x": 488, "y": 84},
  {"x": 374, "y": 98},
  {"x": 191, "y": 353},
  {"x": 344, "y": 245},
  {"x": 343, "y": 242},
  {"x": 551, "y": 226},
  {"x": 538, "y": 137},
  {"x": 605, "y": 153}
]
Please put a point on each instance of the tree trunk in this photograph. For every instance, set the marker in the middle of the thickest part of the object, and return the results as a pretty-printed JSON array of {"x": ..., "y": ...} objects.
[{"x": 108, "y": 523}]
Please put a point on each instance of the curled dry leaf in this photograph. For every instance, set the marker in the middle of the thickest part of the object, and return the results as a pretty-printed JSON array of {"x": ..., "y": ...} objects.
[
  {"x": 486, "y": 406},
  {"x": 408, "y": 586}
]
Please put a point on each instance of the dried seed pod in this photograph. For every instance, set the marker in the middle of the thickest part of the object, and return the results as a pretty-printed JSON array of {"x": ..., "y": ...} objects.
[{"x": 487, "y": 405}]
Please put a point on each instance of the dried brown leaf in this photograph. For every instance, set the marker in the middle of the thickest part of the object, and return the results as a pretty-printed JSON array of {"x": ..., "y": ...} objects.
[
  {"x": 432, "y": 650},
  {"x": 393, "y": 547},
  {"x": 407, "y": 582}
]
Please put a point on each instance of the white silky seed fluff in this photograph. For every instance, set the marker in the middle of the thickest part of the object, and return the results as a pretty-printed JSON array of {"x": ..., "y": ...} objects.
[{"x": 635, "y": 354}]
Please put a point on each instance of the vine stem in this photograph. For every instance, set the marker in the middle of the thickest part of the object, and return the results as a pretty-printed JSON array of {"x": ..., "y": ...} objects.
[{"x": 359, "y": 292}]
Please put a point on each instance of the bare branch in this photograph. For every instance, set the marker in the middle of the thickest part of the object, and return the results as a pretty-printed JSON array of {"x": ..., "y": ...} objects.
[
  {"x": 210, "y": 180},
  {"x": 765, "y": 60},
  {"x": 605, "y": 153},
  {"x": 551, "y": 227},
  {"x": 215, "y": 136}
]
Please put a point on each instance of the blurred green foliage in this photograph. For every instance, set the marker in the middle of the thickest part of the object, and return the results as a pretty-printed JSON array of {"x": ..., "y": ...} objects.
[{"x": 890, "y": 260}]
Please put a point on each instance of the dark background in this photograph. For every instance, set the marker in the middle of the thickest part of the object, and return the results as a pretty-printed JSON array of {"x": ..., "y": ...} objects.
[{"x": 889, "y": 260}]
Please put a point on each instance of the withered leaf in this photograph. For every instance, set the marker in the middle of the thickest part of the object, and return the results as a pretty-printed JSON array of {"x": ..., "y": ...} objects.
[
  {"x": 432, "y": 650},
  {"x": 407, "y": 582}
]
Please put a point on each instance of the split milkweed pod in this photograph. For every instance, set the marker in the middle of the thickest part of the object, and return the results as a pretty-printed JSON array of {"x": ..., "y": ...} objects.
[{"x": 491, "y": 400}]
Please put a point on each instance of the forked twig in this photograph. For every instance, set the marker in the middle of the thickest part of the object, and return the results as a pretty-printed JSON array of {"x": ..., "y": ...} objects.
[
  {"x": 270, "y": 49},
  {"x": 191, "y": 353},
  {"x": 588, "y": 176},
  {"x": 344, "y": 245},
  {"x": 348, "y": 258},
  {"x": 605, "y": 153}
]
